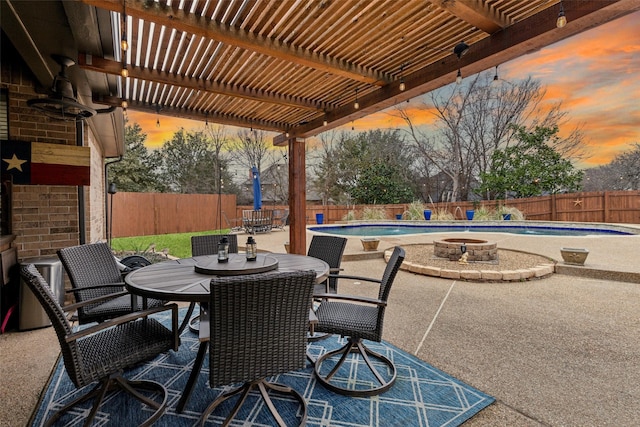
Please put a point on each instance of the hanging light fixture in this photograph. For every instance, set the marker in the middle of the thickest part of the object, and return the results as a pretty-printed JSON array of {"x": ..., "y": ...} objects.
[
  {"x": 459, "y": 50},
  {"x": 402, "y": 86},
  {"x": 356, "y": 105},
  {"x": 562, "y": 19}
]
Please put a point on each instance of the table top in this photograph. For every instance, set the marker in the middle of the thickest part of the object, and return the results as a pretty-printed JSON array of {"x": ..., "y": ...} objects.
[
  {"x": 178, "y": 280},
  {"x": 236, "y": 265}
]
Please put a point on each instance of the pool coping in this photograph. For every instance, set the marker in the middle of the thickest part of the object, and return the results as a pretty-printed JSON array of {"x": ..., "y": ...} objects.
[{"x": 578, "y": 226}]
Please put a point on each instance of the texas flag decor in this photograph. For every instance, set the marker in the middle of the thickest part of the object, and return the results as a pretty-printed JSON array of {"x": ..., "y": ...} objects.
[{"x": 37, "y": 163}]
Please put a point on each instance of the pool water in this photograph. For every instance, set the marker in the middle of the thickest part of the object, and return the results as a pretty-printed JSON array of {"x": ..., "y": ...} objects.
[{"x": 367, "y": 230}]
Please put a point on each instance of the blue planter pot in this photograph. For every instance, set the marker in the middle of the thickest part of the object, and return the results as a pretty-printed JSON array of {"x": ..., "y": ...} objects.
[
  {"x": 398, "y": 216},
  {"x": 470, "y": 215},
  {"x": 506, "y": 217},
  {"x": 319, "y": 218},
  {"x": 427, "y": 214}
]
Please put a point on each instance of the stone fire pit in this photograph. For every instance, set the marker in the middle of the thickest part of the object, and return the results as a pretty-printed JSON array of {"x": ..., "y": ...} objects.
[{"x": 477, "y": 250}]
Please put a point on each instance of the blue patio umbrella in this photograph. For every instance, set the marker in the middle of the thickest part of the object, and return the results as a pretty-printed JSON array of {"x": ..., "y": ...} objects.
[{"x": 257, "y": 192}]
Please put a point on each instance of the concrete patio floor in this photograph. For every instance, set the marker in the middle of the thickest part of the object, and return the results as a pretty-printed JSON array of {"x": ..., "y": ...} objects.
[{"x": 559, "y": 351}]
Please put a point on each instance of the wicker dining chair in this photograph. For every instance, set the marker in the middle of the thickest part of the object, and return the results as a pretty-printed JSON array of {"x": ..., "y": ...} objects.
[
  {"x": 94, "y": 273},
  {"x": 208, "y": 244},
  {"x": 358, "y": 318},
  {"x": 330, "y": 250},
  {"x": 102, "y": 351},
  {"x": 258, "y": 325}
]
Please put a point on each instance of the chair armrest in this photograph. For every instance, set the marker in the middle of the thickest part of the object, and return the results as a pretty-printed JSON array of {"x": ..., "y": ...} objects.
[
  {"x": 77, "y": 305},
  {"x": 128, "y": 318},
  {"x": 347, "y": 276},
  {"x": 93, "y": 287},
  {"x": 353, "y": 298},
  {"x": 335, "y": 270}
]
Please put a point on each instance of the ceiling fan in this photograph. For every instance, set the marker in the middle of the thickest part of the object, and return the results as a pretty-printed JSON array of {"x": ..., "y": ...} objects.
[{"x": 61, "y": 103}]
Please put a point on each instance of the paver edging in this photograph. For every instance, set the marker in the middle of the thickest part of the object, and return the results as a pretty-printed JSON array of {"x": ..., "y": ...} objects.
[{"x": 520, "y": 275}]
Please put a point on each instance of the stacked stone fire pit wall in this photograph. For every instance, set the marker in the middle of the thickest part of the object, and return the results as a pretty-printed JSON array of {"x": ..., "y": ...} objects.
[{"x": 477, "y": 250}]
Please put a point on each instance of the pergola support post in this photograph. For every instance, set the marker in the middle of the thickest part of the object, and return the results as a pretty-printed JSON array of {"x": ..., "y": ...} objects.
[{"x": 297, "y": 197}]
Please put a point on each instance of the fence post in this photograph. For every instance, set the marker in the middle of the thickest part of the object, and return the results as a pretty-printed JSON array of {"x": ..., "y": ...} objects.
[
  {"x": 554, "y": 209},
  {"x": 605, "y": 207}
]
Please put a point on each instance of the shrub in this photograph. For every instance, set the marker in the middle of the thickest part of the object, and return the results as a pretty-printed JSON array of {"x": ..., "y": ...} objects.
[
  {"x": 350, "y": 216},
  {"x": 374, "y": 214},
  {"x": 415, "y": 211}
]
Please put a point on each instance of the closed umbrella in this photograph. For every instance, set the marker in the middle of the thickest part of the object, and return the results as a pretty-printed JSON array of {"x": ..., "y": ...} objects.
[{"x": 257, "y": 192}]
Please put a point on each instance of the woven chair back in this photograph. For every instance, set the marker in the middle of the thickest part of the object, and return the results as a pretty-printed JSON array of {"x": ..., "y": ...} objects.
[
  {"x": 208, "y": 244},
  {"x": 38, "y": 285},
  {"x": 90, "y": 265},
  {"x": 258, "y": 325},
  {"x": 330, "y": 250}
]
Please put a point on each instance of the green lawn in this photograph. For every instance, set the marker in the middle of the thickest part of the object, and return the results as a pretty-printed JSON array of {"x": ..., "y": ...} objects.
[{"x": 177, "y": 244}]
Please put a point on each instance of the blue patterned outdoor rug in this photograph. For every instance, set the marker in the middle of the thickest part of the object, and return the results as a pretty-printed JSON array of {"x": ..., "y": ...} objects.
[{"x": 421, "y": 396}]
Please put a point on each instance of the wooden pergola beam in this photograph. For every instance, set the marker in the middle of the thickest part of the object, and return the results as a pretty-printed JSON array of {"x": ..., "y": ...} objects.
[
  {"x": 183, "y": 113},
  {"x": 172, "y": 17},
  {"x": 482, "y": 16},
  {"x": 108, "y": 66}
]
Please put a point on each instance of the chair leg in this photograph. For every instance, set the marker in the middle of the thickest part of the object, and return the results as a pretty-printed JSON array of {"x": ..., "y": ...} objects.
[
  {"x": 193, "y": 376},
  {"x": 245, "y": 389},
  {"x": 187, "y": 318},
  {"x": 355, "y": 345},
  {"x": 113, "y": 382}
]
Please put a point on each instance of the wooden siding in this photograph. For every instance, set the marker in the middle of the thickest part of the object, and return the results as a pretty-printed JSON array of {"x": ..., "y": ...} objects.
[{"x": 138, "y": 214}]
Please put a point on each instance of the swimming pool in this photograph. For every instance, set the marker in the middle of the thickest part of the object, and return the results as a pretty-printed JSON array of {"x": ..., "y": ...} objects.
[{"x": 369, "y": 230}]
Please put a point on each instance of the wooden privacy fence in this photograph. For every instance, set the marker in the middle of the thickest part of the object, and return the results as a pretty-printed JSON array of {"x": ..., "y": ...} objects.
[
  {"x": 138, "y": 214},
  {"x": 144, "y": 214}
]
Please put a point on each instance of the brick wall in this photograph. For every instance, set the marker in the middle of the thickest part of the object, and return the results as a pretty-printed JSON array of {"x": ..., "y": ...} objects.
[{"x": 45, "y": 218}]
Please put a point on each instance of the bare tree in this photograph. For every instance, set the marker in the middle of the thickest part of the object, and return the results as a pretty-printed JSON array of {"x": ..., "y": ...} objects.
[
  {"x": 250, "y": 149},
  {"x": 218, "y": 139},
  {"x": 623, "y": 173},
  {"x": 475, "y": 119}
]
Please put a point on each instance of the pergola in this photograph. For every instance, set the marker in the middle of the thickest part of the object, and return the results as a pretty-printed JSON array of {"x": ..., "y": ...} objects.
[{"x": 296, "y": 67}]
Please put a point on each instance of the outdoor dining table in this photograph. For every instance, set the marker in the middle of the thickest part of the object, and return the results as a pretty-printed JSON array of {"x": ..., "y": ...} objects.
[{"x": 189, "y": 279}]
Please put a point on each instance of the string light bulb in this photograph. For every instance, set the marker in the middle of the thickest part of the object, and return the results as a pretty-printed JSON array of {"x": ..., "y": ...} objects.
[
  {"x": 124, "y": 44},
  {"x": 459, "y": 77},
  {"x": 496, "y": 80},
  {"x": 402, "y": 86},
  {"x": 562, "y": 19},
  {"x": 124, "y": 72},
  {"x": 356, "y": 105},
  {"x": 158, "y": 116},
  {"x": 124, "y": 104}
]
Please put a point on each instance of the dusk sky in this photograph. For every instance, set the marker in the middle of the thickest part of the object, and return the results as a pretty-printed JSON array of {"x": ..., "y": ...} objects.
[{"x": 594, "y": 74}]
